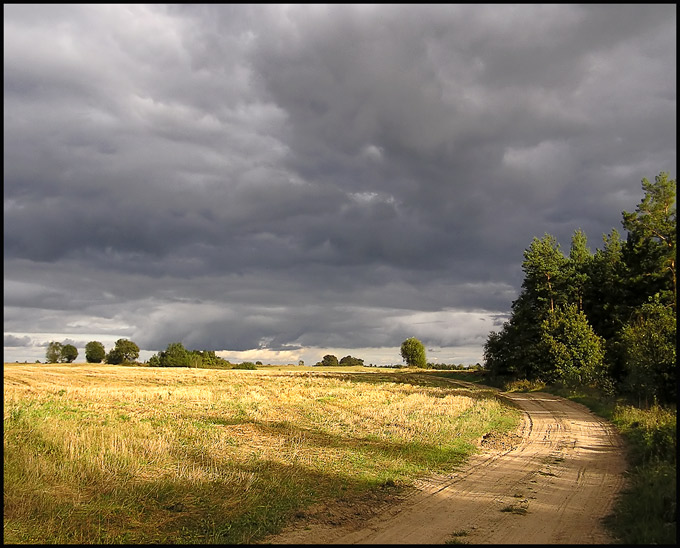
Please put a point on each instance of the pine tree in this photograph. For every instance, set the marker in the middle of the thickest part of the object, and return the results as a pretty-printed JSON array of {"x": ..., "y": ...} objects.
[
  {"x": 605, "y": 294},
  {"x": 543, "y": 268},
  {"x": 575, "y": 271},
  {"x": 650, "y": 247}
]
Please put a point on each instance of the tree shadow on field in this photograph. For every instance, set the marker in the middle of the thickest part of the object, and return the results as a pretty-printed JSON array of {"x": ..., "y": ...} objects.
[
  {"x": 419, "y": 454},
  {"x": 249, "y": 502},
  {"x": 255, "y": 499},
  {"x": 266, "y": 494}
]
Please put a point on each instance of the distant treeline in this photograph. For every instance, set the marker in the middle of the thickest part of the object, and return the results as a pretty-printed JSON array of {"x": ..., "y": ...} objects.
[
  {"x": 329, "y": 360},
  {"x": 606, "y": 319},
  {"x": 175, "y": 355},
  {"x": 127, "y": 352}
]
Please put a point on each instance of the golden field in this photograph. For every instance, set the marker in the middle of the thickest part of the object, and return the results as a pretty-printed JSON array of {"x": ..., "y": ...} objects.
[{"x": 104, "y": 453}]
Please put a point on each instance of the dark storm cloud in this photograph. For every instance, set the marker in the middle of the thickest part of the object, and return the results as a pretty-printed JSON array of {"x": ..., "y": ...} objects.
[{"x": 287, "y": 176}]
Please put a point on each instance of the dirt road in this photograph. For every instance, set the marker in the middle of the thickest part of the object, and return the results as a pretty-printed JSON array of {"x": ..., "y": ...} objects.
[{"x": 553, "y": 485}]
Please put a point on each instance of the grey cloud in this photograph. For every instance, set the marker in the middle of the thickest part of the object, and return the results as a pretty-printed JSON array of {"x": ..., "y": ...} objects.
[
  {"x": 11, "y": 340},
  {"x": 289, "y": 175}
]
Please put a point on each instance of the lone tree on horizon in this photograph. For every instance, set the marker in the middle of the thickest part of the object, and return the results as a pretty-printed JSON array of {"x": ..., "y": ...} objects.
[{"x": 413, "y": 352}]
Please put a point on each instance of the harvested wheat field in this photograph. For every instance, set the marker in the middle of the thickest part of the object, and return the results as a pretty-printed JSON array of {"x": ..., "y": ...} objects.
[{"x": 111, "y": 454}]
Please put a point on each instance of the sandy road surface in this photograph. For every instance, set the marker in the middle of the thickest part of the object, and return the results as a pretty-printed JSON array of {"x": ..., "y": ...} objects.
[{"x": 553, "y": 487}]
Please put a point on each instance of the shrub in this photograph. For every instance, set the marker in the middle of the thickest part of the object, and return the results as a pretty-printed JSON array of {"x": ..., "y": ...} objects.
[{"x": 245, "y": 365}]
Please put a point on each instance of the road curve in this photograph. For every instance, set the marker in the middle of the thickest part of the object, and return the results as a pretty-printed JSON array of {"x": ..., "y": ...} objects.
[{"x": 553, "y": 487}]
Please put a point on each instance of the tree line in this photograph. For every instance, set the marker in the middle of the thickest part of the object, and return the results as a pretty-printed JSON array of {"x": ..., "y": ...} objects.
[
  {"x": 127, "y": 352},
  {"x": 604, "y": 319},
  {"x": 176, "y": 355},
  {"x": 124, "y": 351},
  {"x": 412, "y": 352},
  {"x": 330, "y": 360}
]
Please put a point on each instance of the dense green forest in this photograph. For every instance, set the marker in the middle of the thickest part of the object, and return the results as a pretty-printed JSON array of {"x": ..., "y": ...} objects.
[{"x": 605, "y": 319}]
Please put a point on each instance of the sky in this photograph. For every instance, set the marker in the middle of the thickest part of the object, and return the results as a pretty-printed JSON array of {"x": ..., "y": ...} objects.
[{"x": 281, "y": 182}]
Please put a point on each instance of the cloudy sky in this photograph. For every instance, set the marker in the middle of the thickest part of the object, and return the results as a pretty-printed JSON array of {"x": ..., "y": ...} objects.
[{"x": 279, "y": 182}]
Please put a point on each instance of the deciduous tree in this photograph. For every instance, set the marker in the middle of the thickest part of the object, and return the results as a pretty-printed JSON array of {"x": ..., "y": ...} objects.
[
  {"x": 94, "y": 352},
  {"x": 649, "y": 345},
  {"x": 53, "y": 353},
  {"x": 575, "y": 353},
  {"x": 350, "y": 361},
  {"x": 68, "y": 353},
  {"x": 175, "y": 355},
  {"x": 125, "y": 351},
  {"x": 328, "y": 360},
  {"x": 413, "y": 353}
]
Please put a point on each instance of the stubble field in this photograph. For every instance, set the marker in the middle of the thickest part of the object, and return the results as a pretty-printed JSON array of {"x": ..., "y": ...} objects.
[{"x": 111, "y": 454}]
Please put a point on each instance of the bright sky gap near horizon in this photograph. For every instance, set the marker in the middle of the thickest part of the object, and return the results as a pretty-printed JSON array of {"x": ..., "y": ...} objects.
[{"x": 280, "y": 182}]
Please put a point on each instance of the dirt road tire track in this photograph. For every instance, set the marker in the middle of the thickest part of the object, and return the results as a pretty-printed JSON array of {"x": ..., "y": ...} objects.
[{"x": 553, "y": 487}]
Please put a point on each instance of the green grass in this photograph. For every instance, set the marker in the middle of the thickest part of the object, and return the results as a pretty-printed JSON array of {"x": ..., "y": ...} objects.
[
  {"x": 647, "y": 510},
  {"x": 457, "y": 537},
  {"x": 111, "y": 454}
]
